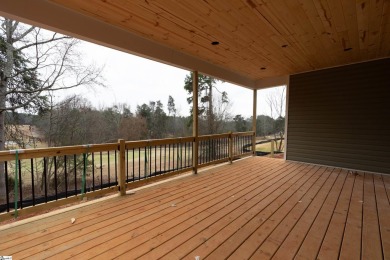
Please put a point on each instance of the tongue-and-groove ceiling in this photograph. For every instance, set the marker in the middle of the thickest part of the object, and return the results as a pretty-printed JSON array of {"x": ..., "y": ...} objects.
[{"x": 258, "y": 39}]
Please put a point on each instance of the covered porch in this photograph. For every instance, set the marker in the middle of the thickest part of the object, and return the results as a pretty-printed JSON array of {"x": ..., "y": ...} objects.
[
  {"x": 333, "y": 56},
  {"x": 256, "y": 208}
]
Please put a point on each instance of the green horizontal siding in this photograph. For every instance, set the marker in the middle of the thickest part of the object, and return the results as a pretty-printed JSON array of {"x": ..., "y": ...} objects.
[{"x": 341, "y": 117}]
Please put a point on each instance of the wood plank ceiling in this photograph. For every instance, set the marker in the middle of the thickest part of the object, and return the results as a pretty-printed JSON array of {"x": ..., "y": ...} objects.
[{"x": 257, "y": 38}]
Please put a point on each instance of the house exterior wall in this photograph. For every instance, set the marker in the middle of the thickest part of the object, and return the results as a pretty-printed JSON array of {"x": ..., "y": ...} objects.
[{"x": 341, "y": 117}]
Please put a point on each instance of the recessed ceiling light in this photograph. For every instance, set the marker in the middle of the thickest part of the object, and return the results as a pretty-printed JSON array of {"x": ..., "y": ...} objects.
[
  {"x": 214, "y": 43},
  {"x": 347, "y": 49},
  {"x": 263, "y": 68}
]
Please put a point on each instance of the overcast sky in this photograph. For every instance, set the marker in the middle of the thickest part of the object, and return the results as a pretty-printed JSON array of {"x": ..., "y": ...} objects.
[{"x": 135, "y": 80}]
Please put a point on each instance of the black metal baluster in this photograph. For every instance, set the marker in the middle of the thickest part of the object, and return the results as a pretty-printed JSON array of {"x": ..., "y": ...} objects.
[
  {"x": 116, "y": 169},
  {"x": 160, "y": 161},
  {"x": 66, "y": 176},
  {"x": 44, "y": 176},
  {"x": 139, "y": 163},
  {"x": 101, "y": 170},
  {"x": 6, "y": 183},
  {"x": 145, "y": 163},
  {"x": 241, "y": 144},
  {"x": 133, "y": 166},
  {"x": 185, "y": 155},
  {"x": 192, "y": 151},
  {"x": 200, "y": 152},
  {"x": 207, "y": 144},
  {"x": 150, "y": 160},
  {"x": 32, "y": 181},
  {"x": 179, "y": 156},
  {"x": 173, "y": 155},
  {"x": 210, "y": 150},
  {"x": 55, "y": 176},
  {"x": 213, "y": 150},
  {"x": 75, "y": 174},
  {"x": 20, "y": 185},
  {"x": 127, "y": 164},
  {"x": 165, "y": 157},
  {"x": 169, "y": 157},
  {"x": 93, "y": 171},
  {"x": 108, "y": 169},
  {"x": 218, "y": 147}
]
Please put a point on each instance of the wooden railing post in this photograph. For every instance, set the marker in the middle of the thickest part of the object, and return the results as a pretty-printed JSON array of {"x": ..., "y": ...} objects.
[
  {"x": 272, "y": 148},
  {"x": 254, "y": 118},
  {"x": 195, "y": 112},
  {"x": 230, "y": 147},
  {"x": 122, "y": 167}
]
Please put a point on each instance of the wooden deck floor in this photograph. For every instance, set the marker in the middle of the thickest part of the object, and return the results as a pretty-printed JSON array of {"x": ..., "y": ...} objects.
[{"x": 257, "y": 208}]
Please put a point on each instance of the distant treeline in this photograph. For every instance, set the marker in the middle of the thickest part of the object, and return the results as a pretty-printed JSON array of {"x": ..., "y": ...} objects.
[{"x": 75, "y": 121}]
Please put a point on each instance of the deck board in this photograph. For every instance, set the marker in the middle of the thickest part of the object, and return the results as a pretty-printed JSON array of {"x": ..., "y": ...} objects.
[
  {"x": 256, "y": 231},
  {"x": 277, "y": 237},
  {"x": 257, "y": 208},
  {"x": 383, "y": 213},
  {"x": 331, "y": 244},
  {"x": 291, "y": 242},
  {"x": 228, "y": 223},
  {"x": 371, "y": 237},
  {"x": 351, "y": 245}
]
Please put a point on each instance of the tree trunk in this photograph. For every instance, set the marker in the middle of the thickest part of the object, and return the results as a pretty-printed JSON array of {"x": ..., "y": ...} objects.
[
  {"x": 3, "y": 89},
  {"x": 210, "y": 112},
  {"x": 2, "y": 147},
  {"x": 5, "y": 75}
]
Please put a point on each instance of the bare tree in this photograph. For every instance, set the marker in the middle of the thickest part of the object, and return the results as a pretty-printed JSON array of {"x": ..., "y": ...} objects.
[
  {"x": 206, "y": 107},
  {"x": 33, "y": 62},
  {"x": 276, "y": 101}
]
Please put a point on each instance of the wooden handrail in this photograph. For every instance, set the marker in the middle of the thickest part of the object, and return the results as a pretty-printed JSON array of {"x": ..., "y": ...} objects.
[
  {"x": 243, "y": 133},
  {"x": 79, "y": 149},
  {"x": 216, "y": 136},
  {"x": 56, "y": 151},
  {"x": 155, "y": 142}
]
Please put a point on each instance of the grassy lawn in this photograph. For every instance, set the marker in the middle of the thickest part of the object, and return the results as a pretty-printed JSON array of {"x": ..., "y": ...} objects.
[
  {"x": 266, "y": 147},
  {"x": 100, "y": 162}
]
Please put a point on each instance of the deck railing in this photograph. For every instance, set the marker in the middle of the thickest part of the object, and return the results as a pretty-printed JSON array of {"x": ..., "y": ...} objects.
[{"x": 38, "y": 179}]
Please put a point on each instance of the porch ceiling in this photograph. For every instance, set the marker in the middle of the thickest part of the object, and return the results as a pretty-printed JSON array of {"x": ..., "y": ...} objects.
[{"x": 257, "y": 39}]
